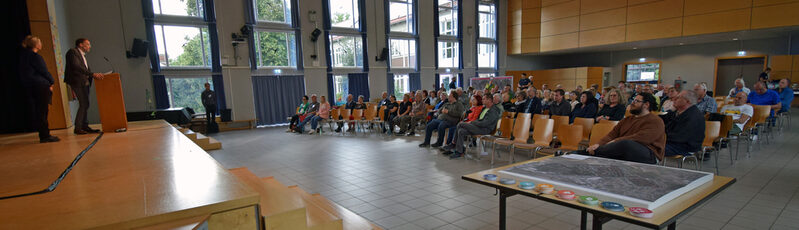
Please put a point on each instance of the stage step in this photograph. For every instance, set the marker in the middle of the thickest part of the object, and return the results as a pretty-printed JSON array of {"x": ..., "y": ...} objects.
[
  {"x": 213, "y": 144},
  {"x": 190, "y": 134},
  {"x": 318, "y": 218},
  {"x": 280, "y": 209},
  {"x": 350, "y": 220}
]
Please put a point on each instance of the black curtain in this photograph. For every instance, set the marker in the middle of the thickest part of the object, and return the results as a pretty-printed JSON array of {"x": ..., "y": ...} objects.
[
  {"x": 15, "y": 111},
  {"x": 277, "y": 97}
]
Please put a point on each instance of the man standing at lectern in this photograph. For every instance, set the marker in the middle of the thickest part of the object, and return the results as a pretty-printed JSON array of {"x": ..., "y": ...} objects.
[{"x": 79, "y": 76}]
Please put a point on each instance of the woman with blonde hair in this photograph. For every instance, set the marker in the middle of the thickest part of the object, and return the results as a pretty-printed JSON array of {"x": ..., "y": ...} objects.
[
  {"x": 35, "y": 77},
  {"x": 614, "y": 107}
]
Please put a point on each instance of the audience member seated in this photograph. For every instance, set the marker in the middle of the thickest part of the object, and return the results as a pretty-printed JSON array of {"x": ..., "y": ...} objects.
[
  {"x": 475, "y": 107},
  {"x": 393, "y": 109},
  {"x": 484, "y": 124},
  {"x": 384, "y": 99},
  {"x": 559, "y": 106},
  {"x": 668, "y": 103},
  {"x": 573, "y": 100},
  {"x": 506, "y": 104},
  {"x": 638, "y": 138},
  {"x": 587, "y": 107},
  {"x": 349, "y": 105},
  {"x": 786, "y": 95},
  {"x": 303, "y": 107},
  {"x": 313, "y": 108},
  {"x": 647, "y": 88},
  {"x": 546, "y": 99},
  {"x": 507, "y": 89},
  {"x": 763, "y": 96},
  {"x": 521, "y": 102},
  {"x": 416, "y": 114},
  {"x": 740, "y": 112},
  {"x": 740, "y": 86},
  {"x": 442, "y": 100},
  {"x": 404, "y": 111},
  {"x": 524, "y": 82},
  {"x": 322, "y": 114},
  {"x": 614, "y": 108},
  {"x": 533, "y": 104},
  {"x": 426, "y": 98},
  {"x": 448, "y": 117},
  {"x": 704, "y": 103},
  {"x": 685, "y": 126}
]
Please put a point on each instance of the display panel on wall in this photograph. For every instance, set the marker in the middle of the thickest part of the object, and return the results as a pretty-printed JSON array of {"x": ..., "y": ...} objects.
[{"x": 642, "y": 72}]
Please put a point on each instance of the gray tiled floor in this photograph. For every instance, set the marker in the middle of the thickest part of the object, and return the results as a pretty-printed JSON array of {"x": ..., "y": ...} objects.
[{"x": 396, "y": 184}]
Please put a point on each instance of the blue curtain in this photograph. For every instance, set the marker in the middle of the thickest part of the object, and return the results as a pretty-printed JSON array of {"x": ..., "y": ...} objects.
[
  {"x": 213, "y": 38},
  {"x": 438, "y": 82},
  {"x": 276, "y": 97},
  {"x": 219, "y": 88},
  {"x": 249, "y": 22},
  {"x": 331, "y": 94},
  {"x": 160, "y": 92},
  {"x": 149, "y": 16},
  {"x": 390, "y": 85},
  {"x": 460, "y": 80},
  {"x": 415, "y": 81},
  {"x": 359, "y": 84}
]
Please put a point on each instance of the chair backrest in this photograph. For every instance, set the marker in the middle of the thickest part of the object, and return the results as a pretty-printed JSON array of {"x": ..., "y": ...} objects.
[
  {"x": 357, "y": 114},
  {"x": 508, "y": 114},
  {"x": 614, "y": 123},
  {"x": 587, "y": 124},
  {"x": 381, "y": 113},
  {"x": 537, "y": 117},
  {"x": 543, "y": 134},
  {"x": 761, "y": 112},
  {"x": 726, "y": 126},
  {"x": 719, "y": 106},
  {"x": 505, "y": 127},
  {"x": 570, "y": 136},
  {"x": 345, "y": 113},
  {"x": 430, "y": 107},
  {"x": 599, "y": 131},
  {"x": 712, "y": 129},
  {"x": 627, "y": 111},
  {"x": 559, "y": 120},
  {"x": 370, "y": 113},
  {"x": 334, "y": 113},
  {"x": 521, "y": 128}
]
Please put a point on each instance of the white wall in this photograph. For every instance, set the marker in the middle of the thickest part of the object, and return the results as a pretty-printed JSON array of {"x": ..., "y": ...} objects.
[
  {"x": 693, "y": 63},
  {"x": 105, "y": 22}
]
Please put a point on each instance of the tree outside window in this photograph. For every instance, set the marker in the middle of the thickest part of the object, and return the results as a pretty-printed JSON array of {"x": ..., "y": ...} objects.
[{"x": 186, "y": 92}]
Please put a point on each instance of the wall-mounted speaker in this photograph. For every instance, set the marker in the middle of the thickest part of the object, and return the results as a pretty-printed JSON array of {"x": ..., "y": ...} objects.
[
  {"x": 139, "y": 49},
  {"x": 315, "y": 34},
  {"x": 383, "y": 55}
]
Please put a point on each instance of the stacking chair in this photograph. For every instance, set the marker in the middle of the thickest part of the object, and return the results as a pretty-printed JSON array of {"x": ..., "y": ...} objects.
[
  {"x": 724, "y": 134},
  {"x": 559, "y": 120},
  {"x": 521, "y": 131},
  {"x": 368, "y": 116},
  {"x": 599, "y": 131},
  {"x": 357, "y": 116},
  {"x": 747, "y": 134},
  {"x": 614, "y": 123},
  {"x": 542, "y": 137},
  {"x": 762, "y": 112},
  {"x": 345, "y": 116},
  {"x": 481, "y": 139},
  {"x": 537, "y": 117},
  {"x": 334, "y": 113},
  {"x": 570, "y": 137},
  {"x": 712, "y": 130},
  {"x": 380, "y": 118},
  {"x": 504, "y": 129},
  {"x": 587, "y": 124}
]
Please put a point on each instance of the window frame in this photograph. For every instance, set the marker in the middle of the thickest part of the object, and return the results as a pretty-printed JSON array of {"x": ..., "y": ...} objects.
[
  {"x": 407, "y": 84},
  {"x": 336, "y": 90},
  {"x": 200, "y": 3},
  {"x": 457, "y": 38},
  {"x": 398, "y": 35},
  {"x": 206, "y": 57},
  {"x": 170, "y": 95},
  {"x": 330, "y": 31},
  {"x": 487, "y": 40},
  {"x": 293, "y": 26}
]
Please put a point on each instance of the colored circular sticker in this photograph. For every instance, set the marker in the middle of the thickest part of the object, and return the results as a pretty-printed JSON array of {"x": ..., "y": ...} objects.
[
  {"x": 526, "y": 185},
  {"x": 589, "y": 200},
  {"x": 641, "y": 212},
  {"x": 613, "y": 206},
  {"x": 490, "y": 177},
  {"x": 566, "y": 194},
  {"x": 507, "y": 181}
]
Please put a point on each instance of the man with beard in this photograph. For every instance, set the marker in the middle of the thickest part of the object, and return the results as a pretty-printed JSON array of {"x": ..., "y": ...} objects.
[{"x": 638, "y": 138}]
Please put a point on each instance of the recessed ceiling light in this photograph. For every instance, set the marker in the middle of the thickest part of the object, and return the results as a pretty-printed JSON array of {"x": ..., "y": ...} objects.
[
  {"x": 735, "y": 39},
  {"x": 642, "y": 59},
  {"x": 682, "y": 43},
  {"x": 635, "y": 48}
]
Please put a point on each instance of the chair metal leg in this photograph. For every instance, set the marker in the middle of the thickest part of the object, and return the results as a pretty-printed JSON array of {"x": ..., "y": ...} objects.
[
  {"x": 493, "y": 153},
  {"x": 512, "y": 153}
]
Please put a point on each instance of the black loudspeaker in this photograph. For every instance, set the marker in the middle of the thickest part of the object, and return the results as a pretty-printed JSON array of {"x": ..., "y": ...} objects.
[
  {"x": 315, "y": 34},
  {"x": 225, "y": 114},
  {"x": 140, "y": 48},
  {"x": 383, "y": 55}
]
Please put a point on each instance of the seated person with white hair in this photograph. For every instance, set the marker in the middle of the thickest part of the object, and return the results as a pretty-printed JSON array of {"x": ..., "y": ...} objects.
[
  {"x": 740, "y": 86},
  {"x": 740, "y": 112},
  {"x": 685, "y": 126},
  {"x": 704, "y": 103}
]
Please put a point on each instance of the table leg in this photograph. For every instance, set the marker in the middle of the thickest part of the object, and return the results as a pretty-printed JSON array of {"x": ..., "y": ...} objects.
[
  {"x": 583, "y": 220},
  {"x": 597, "y": 223},
  {"x": 502, "y": 212},
  {"x": 673, "y": 225}
]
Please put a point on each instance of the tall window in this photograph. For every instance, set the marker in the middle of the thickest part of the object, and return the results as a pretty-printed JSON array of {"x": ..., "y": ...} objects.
[
  {"x": 346, "y": 35},
  {"x": 181, "y": 34},
  {"x": 401, "y": 85},
  {"x": 185, "y": 92},
  {"x": 275, "y": 34},
  {"x": 446, "y": 79},
  {"x": 487, "y": 36},
  {"x": 402, "y": 34},
  {"x": 448, "y": 36},
  {"x": 340, "y": 88}
]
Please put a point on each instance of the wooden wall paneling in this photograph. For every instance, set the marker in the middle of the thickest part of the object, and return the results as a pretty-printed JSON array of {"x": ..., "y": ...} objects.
[
  {"x": 595, "y": 73},
  {"x": 37, "y": 10},
  {"x": 514, "y": 5},
  {"x": 560, "y": 26},
  {"x": 531, "y": 30},
  {"x": 603, "y": 19},
  {"x": 559, "y": 42},
  {"x": 526, "y": 4},
  {"x": 775, "y": 15},
  {"x": 515, "y": 46},
  {"x": 795, "y": 63},
  {"x": 717, "y": 22},
  {"x": 560, "y": 10},
  {"x": 654, "y": 11},
  {"x": 591, "y": 6},
  {"x": 781, "y": 62},
  {"x": 780, "y": 75},
  {"x": 639, "y": 2},
  {"x": 552, "y": 2},
  {"x": 771, "y": 2},
  {"x": 531, "y": 45},
  {"x": 515, "y": 17},
  {"x": 581, "y": 72},
  {"x": 656, "y": 29},
  {"x": 531, "y": 15},
  {"x": 795, "y": 78},
  {"x": 515, "y": 31},
  {"x": 694, "y": 7}
]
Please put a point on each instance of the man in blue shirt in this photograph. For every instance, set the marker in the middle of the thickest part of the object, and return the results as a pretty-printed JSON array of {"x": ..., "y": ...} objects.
[
  {"x": 763, "y": 96},
  {"x": 786, "y": 95},
  {"x": 704, "y": 103}
]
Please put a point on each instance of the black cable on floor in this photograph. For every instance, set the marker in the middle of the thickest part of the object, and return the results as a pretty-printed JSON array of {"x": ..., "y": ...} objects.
[{"x": 63, "y": 175}]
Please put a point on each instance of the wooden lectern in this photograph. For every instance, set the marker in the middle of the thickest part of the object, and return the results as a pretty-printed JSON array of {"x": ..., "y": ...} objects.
[{"x": 111, "y": 103}]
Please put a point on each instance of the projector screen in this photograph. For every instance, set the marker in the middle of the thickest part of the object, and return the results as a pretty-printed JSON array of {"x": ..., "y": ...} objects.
[{"x": 643, "y": 72}]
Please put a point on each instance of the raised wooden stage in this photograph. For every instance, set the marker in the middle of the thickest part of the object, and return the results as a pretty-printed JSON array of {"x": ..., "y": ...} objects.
[{"x": 151, "y": 174}]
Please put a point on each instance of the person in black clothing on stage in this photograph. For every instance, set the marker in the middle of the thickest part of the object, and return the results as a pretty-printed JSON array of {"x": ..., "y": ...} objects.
[
  {"x": 79, "y": 77},
  {"x": 209, "y": 102},
  {"x": 35, "y": 77}
]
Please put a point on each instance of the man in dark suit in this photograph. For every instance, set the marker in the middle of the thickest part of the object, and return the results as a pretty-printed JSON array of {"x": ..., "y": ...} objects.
[{"x": 79, "y": 76}]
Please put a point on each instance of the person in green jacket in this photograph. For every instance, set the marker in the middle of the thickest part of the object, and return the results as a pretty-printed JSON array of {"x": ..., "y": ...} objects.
[{"x": 300, "y": 111}]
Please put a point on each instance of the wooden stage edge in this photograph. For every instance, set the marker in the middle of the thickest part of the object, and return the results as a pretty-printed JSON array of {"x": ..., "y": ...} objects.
[{"x": 150, "y": 175}]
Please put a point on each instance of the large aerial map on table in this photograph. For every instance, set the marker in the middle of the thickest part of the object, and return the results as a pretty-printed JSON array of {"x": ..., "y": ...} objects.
[{"x": 628, "y": 183}]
